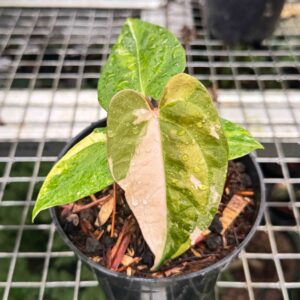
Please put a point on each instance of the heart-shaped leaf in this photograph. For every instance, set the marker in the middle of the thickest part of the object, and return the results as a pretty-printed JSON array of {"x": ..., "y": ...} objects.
[
  {"x": 171, "y": 162},
  {"x": 195, "y": 111},
  {"x": 144, "y": 57},
  {"x": 240, "y": 141},
  {"x": 82, "y": 171}
]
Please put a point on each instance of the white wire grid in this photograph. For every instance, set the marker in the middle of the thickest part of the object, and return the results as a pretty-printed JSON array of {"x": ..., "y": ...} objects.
[{"x": 49, "y": 66}]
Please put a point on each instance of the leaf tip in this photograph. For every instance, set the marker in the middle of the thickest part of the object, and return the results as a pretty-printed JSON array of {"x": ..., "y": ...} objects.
[
  {"x": 34, "y": 214},
  {"x": 260, "y": 146}
]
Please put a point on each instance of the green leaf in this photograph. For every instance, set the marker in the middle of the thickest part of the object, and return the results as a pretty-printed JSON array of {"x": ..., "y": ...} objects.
[
  {"x": 144, "y": 57},
  {"x": 82, "y": 171},
  {"x": 186, "y": 101},
  {"x": 240, "y": 141},
  {"x": 162, "y": 159},
  {"x": 123, "y": 131}
]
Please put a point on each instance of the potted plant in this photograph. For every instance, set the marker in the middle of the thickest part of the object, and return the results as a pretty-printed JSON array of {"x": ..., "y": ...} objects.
[
  {"x": 249, "y": 21},
  {"x": 151, "y": 199}
]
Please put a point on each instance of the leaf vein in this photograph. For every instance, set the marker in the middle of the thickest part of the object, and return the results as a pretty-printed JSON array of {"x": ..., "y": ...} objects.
[{"x": 138, "y": 56}]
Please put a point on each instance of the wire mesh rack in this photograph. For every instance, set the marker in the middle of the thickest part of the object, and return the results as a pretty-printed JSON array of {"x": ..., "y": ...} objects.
[{"x": 50, "y": 61}]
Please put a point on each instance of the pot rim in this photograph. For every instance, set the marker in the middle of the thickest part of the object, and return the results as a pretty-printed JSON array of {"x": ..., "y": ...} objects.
[{"x": 219, "y": 264}]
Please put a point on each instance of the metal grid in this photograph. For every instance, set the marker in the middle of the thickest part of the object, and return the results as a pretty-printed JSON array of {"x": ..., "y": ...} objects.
[{"x": 49, "y": 64}]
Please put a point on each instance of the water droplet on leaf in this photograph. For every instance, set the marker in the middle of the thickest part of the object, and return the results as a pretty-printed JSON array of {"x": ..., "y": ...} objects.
[
  {"x": 110, "y": 133},
  {"x": 135, "y": 202},
  {"x": 135, "y": 130},
  {"x": 185, "y": 157},
  {"x": 197, "y": 169},
  {"x": 203, "y": 187}
]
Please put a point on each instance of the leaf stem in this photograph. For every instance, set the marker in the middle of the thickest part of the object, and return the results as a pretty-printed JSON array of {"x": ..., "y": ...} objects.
[
  {"x": 93, "y": 197},
  {"x": 112, "y": 232},
  {"x": 91, "y": 204},
  {"x": 118, "y": 250},
  {"x": 148, "y": 100}
]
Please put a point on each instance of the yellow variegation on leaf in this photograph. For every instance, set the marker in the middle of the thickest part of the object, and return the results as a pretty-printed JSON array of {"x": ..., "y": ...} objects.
[{"x": 166, "y": 163}]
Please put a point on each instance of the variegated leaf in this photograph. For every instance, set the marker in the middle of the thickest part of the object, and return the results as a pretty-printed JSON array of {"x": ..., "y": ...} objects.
[
  {"x": 240, "y": 141},
  {"x": 144, "y": 57},
  {"x": 82, "y": 171},
  {"x": 170, "y": 161}
]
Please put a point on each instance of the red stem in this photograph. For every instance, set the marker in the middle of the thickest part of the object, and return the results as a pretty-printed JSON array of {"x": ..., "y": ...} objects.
[{"x": 91, "y": 204}]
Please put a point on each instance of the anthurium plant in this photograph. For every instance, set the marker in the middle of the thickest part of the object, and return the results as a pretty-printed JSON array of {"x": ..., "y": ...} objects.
[{"x": 165, "y": 144}]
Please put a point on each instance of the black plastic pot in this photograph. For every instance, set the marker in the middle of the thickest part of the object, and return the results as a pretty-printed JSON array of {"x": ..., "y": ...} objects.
[
  {"x": 198, "y": 285},
  {"x": 249, "y": 21}
]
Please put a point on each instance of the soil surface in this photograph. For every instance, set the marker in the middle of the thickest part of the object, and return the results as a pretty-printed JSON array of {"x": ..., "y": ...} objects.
[{"x": 96, "y": 242}]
